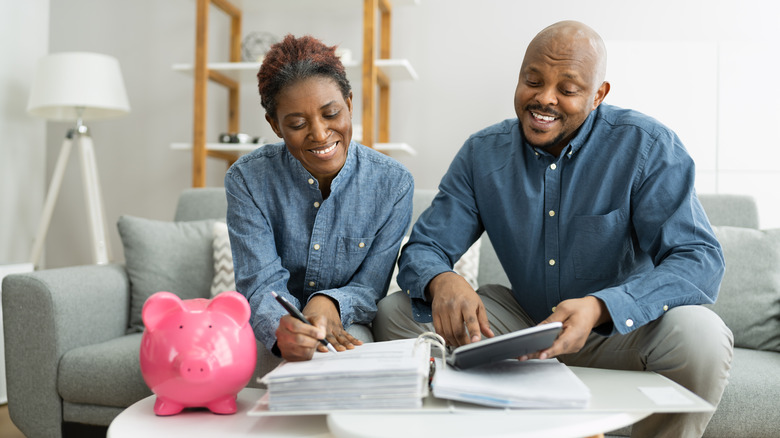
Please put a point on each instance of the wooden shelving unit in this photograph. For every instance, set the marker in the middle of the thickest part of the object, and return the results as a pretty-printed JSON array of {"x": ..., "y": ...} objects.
[{"x": 377, "y": 72}]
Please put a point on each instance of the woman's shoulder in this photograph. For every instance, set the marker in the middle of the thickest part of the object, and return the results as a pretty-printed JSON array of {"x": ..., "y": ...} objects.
[{"x": 373, "y": 158}]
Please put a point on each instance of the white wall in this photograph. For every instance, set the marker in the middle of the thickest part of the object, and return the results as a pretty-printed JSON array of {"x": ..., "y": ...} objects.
[
  {"x": 703, "y": 67},
  {"x": 24, "y": 30}
]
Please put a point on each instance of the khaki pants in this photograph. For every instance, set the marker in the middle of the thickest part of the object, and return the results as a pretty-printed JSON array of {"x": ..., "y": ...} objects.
[{"x": 689, "y": 345}]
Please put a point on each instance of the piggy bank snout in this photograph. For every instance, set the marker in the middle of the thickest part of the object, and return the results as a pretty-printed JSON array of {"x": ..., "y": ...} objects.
[{"x": 195, "y": 368}]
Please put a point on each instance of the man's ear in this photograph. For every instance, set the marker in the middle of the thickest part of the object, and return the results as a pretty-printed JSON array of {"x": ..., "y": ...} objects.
[
  {"x": 274, "y": 125},
  {"x": 601, "y": 93}
]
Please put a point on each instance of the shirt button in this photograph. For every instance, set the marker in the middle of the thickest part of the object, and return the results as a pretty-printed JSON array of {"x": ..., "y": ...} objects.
[
  {"x": 316, "y": 205},
  {"x": 666, "y": 308},
  {"x": 311, "y": 284},
  {"x": 629, "y": 323},
  {"x": 553, "y": 166},
  {"x": 316, "y": 246},
  {"x": 551, "y": 213},
  {"x": 553, "y": 308},
  {"x": 361, "y": 245},
  {"x": 552, "y": 262},
  {"x": 408, "y": 292},
  {"x": 311, "y": 181}
]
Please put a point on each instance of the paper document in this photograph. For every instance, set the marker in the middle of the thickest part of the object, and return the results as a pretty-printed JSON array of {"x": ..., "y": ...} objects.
[{"x": 513, "y": 384}]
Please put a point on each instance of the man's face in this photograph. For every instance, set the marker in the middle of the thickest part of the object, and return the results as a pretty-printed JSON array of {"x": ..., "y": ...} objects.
[
  {"x": 315, "y": 122},
  {"x": 555, "y": 93}
]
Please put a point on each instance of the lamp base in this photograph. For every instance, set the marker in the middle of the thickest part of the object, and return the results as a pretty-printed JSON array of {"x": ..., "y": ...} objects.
[{"x": 101, "y": 251}]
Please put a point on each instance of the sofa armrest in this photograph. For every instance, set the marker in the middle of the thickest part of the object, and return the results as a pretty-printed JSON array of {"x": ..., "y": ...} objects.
[{"x": 45, "y": 314}]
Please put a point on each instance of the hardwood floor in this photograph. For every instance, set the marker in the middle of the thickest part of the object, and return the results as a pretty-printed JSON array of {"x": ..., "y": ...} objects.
[{"x": 7, "y": 428}]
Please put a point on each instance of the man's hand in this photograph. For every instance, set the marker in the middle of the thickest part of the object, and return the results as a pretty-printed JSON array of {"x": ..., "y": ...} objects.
[
  {"x": 322, "y": 306},
  {"x": 579, "y": 316},
  {"x": 458, "y": 313}
]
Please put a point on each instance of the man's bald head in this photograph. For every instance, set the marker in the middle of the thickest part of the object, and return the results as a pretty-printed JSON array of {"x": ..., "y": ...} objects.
[{"x": 575, "y": 39}]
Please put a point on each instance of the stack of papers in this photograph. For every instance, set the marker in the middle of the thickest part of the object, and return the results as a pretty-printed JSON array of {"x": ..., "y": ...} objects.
[
  {"x": 379, "y": 375},
  {"x": 513, "y": 384}
]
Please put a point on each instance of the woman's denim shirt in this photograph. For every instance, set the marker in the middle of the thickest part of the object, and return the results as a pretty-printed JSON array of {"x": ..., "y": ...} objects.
[{"x": 286, "y": 238}]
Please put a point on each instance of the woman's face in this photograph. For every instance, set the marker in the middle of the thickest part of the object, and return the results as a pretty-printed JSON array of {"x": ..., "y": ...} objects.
[{"x": 315, "y": 122}]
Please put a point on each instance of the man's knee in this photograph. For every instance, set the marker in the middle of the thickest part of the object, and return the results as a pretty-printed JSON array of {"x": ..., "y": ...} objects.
[
  {"x": 393, "y": 312},
  {"x": 697, "y": 334}
]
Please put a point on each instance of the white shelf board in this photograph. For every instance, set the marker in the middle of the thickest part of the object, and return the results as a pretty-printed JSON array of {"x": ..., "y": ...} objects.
[
  {"x": 243, "y": 148},
  {"x": 222, "y": 147},
  {"x": 270, "y": 6},
  {"x": 391, "y": 148},
  {"x": 394, "y": 69}
]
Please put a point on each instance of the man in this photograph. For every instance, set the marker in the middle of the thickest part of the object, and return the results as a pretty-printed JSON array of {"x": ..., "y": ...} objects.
[{"x": 593, "y": 215}]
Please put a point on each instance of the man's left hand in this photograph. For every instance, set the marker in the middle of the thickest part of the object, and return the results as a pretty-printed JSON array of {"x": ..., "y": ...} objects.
[{"x": 579, "y": 316}]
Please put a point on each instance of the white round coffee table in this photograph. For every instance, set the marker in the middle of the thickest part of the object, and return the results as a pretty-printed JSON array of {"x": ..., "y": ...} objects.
[
  {"x": 139, "y": 421},
  {"x": 509, "y": 424}
]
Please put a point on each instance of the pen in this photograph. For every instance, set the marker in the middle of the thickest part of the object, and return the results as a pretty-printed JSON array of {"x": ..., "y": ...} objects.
[{"x": 292, "y": 310}]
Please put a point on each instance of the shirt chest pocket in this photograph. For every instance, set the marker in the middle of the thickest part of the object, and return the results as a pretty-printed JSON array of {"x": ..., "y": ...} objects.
[
  {"x": 602, "y": 245},
  {"x": 350, "y": 253}
]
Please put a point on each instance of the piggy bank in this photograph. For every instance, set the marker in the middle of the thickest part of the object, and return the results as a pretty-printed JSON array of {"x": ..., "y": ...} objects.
[{"x": 198, "y": 352}]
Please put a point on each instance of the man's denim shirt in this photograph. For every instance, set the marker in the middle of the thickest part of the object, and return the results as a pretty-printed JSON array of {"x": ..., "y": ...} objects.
[
  {"x": 287, "y": 239},
  {"x": 614, "y": 216}
]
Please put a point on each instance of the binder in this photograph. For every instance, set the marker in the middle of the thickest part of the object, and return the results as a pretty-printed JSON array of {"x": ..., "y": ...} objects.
[{"x": 397, "y": 376}]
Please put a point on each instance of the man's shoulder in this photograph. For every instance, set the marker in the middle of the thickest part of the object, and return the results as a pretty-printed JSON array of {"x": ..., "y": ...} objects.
[
  {"x": 624, "y": 117},
  {"x": 506, "y": 127}
]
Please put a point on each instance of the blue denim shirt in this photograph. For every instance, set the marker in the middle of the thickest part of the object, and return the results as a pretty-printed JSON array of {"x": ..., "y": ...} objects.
[
  {"x": 287, "y": 239},
  {"x": 614, "y": 216}
]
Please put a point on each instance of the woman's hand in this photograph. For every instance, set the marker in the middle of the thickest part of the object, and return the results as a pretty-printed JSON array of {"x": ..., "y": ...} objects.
[
  {"x": 322, "y": 306},
  {"x": 297, "y": 340}
]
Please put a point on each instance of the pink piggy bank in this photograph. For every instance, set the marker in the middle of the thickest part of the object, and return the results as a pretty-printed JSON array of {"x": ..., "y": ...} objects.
[{"x": 198, "y": 352}]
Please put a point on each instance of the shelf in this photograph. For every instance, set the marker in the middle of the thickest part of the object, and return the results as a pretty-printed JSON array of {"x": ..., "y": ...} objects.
[
  {"x": 241, "y": 148},
  {"x": 244, "y": 148},
  {"x": 298, "y": 5},
  {"x": 390, "y": 148},
  {"x": 394, "y": 69}
]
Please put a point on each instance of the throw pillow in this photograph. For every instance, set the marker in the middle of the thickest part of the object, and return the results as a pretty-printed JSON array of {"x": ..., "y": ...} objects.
[
  {"x": 165, "y": 256},
  {"x": 224, "y": 278},
  {"x": 749, "y": 298},
  {"x": 467, "y": 266}
]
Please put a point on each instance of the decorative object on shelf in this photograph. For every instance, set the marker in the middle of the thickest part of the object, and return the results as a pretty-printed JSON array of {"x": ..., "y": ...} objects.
[
  {"x": 239, "y": 137},
  {"x": 256, "y": 44},
  {"x": 197, "y": 352},
  {"x": 345, "y": 55},
  {"x": 77, "y": 86}
]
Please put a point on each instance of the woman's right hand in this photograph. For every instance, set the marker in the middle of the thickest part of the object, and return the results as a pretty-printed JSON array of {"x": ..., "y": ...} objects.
[{"x": 297, "y": 340}]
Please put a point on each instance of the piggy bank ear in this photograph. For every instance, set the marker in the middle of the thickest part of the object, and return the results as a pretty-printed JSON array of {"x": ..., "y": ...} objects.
[
  {"x": 159, "y": 305},
  {"x": 232, "y": 304}
]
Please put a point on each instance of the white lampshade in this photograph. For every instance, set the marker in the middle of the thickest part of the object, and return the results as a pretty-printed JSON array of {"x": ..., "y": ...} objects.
[{"x": 72, "y": 84}]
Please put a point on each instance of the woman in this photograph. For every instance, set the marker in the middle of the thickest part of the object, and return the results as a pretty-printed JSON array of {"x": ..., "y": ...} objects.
[{"x": 316, "y": 218}]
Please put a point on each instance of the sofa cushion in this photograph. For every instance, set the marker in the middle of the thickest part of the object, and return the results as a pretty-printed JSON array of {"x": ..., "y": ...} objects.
[
  {"x": 748, "y": 407},
  {"x": 467, "y": 266},
  {"x": 105, "y": 374},
  {"x": 749, "y": 298},
  {"x": 166, "y": 256},
  {"x": 224, "y": 277}
]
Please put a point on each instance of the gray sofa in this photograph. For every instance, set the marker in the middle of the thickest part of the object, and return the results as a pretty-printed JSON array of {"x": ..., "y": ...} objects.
[{"x": 70, "y": 358}]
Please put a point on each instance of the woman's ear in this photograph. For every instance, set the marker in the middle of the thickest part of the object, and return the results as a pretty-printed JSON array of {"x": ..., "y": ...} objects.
[{"x": 274, "y": 125}]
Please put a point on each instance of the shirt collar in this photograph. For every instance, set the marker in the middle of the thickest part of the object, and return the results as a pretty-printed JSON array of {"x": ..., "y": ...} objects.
[
  {"x": 576, "y": 143},
  {"x": 304, "y": 174}
]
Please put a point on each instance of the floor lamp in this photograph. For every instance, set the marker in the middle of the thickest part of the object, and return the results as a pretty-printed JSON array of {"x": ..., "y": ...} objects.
[{"x": 76, "y": 87}]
